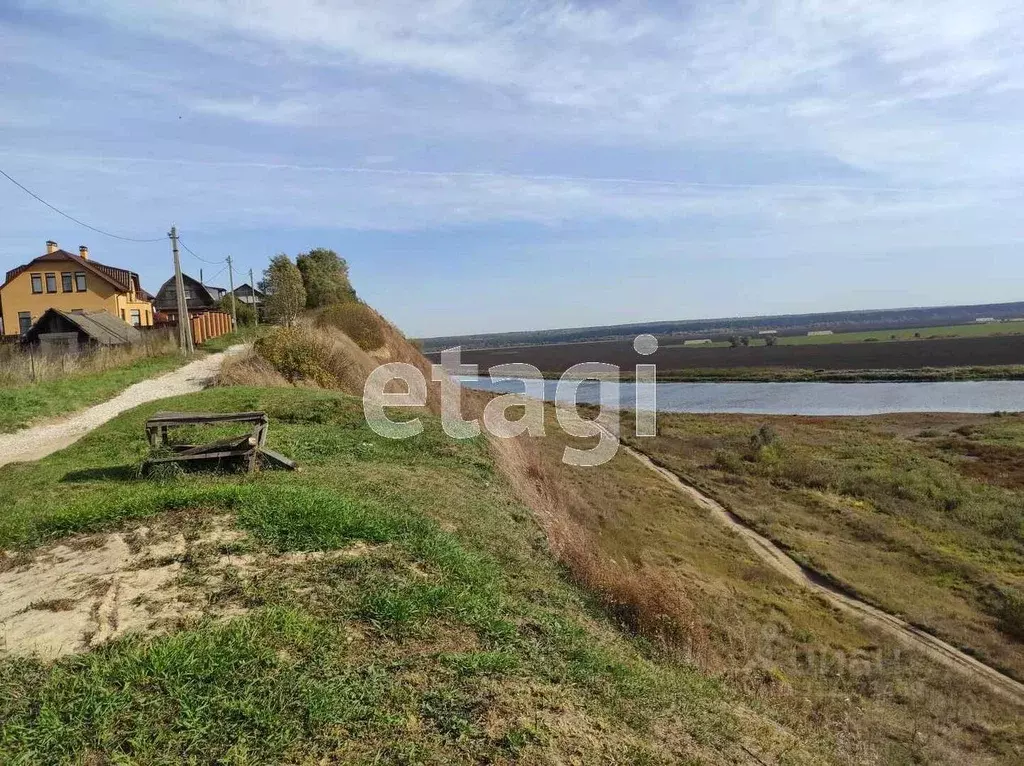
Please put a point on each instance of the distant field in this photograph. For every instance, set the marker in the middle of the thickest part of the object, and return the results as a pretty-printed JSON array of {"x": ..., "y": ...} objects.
[
  {"x": 974, "y": 330},
  {"x": 673, "y": 360}
]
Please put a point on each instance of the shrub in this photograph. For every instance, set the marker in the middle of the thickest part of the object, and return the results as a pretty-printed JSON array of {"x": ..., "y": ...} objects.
[
  {"x": 298, "y": 355},
  {"x": 246, "y": 314},
  {"x": 1011, "y": 613},
  {"x": 357, "y": 321}
]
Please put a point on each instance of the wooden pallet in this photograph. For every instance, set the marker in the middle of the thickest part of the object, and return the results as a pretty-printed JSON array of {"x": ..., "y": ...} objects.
[{"x": 246, "y": 448}]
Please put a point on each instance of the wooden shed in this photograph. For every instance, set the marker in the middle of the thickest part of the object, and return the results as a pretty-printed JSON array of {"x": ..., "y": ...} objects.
[{"x": 70, "y": 330}]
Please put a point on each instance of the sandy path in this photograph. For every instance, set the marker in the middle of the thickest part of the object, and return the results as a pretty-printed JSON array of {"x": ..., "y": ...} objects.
[
  {"x": 903, "y": 631},
  {"x": 39, "y": 441}
]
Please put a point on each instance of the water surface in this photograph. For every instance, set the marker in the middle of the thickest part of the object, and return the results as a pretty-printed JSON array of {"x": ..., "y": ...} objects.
[{"x": 801, "y": 398}]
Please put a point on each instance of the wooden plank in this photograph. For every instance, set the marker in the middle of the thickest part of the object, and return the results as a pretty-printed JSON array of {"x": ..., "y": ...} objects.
[
  {"x": 200, "y": 456},
  {"x": 279, "y": 459},
  {"x": 199, "y": 418},
  {"x": 234, "y": 442}
]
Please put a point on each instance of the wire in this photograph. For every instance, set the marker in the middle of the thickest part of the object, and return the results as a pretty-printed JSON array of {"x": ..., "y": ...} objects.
[
  {"x": 72, "y": 218},
  {"x": 210, "y": 279},
  {"x": 198, "y": 257}
]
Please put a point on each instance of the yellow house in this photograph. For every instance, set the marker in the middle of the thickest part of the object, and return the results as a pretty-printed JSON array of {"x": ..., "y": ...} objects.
[{"x": 69, "y": 282}]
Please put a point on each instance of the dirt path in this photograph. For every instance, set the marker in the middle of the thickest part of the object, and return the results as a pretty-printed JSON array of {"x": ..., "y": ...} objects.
[
  {"x": 39, "y": 441},
  {"x": 903, "y": 631}
]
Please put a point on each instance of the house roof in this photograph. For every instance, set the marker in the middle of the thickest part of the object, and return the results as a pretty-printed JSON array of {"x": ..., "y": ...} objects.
[
  {"x": 246, "y": 289},
  {"x": 202, "y": 293},
  {"x": 121, "y": 279},
  {"x": 100, "y": 326}
]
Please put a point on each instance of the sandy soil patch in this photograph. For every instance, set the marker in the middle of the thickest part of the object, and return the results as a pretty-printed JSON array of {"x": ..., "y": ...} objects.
[{"x": 81, "y": 592}]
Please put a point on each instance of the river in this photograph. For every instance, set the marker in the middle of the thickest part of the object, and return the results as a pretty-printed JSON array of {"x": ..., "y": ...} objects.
[{"x": 801, "y": 398}]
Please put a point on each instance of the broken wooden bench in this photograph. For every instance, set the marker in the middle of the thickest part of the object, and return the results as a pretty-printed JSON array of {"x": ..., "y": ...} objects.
[{"x": 247, "y": 448}]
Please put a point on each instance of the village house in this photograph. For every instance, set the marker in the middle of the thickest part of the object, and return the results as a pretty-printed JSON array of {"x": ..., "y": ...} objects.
[
  {"x": 71, "y": 283},
  {"x": 199, "y": 298},
  {"x": 253, "y": 296}
]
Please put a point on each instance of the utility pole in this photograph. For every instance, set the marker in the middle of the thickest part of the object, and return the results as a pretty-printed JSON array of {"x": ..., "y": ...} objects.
[
  {"x": 255, "y": 307},
  {"x": 231, "y": 284},
  {"x": 184, "y": 329}
]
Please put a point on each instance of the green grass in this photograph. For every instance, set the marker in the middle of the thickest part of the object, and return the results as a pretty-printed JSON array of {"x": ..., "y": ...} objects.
[
  {"x": 20, "y": 406},
  {"x": 454, "y": 640}
]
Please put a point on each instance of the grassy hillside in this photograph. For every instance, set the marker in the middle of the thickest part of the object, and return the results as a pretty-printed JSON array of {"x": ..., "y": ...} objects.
[
  {"x": 453, "y": 639},
  {"x": 920, "y": 514},
  {"x": 443, "y": 601}
]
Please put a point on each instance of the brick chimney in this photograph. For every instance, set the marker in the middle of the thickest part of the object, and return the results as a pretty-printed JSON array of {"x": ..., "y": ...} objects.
[
  {"x": 83, "y": 252},
  {"x": 51, "y": 246}
]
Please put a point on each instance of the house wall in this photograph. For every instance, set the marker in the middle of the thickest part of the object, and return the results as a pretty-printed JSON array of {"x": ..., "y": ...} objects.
[{"x": 17, "y": 296}]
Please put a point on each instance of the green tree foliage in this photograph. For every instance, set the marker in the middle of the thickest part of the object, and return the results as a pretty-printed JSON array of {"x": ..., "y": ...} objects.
[
  {"x": 245, "y": 313},
  {"x": 325, "y": 277},
  {"x": 286, "y": 294}
]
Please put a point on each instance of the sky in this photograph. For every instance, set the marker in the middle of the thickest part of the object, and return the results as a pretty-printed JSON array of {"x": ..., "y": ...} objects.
[{"x": 490, "y": 167}]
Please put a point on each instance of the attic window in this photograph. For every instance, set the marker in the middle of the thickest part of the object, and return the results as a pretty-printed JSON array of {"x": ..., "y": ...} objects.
[
  {"x": 80, "y": 281},
  {"x": 37, "y": 283},
  {"x": 67, "y": 285},
  {"x": 51, "y": 283}
]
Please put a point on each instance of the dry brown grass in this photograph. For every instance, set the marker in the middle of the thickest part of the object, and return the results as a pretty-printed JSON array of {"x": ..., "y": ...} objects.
[
  {"x": 249, "y": 369},
  {"x": 828, "y": 685},
  {"x": 638, "y": 598},
  {"x": 21, "y": 366},
  {"x": 357, "y": 320}
]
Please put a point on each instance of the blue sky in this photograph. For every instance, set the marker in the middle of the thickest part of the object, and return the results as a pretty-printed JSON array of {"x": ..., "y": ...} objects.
[{"x": 490, "y": 167}]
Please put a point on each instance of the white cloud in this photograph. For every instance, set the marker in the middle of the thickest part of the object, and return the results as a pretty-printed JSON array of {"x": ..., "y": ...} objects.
[{"x": 915, "y": 97}]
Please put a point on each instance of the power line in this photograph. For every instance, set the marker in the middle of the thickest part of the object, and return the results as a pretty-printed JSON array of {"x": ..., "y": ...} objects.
[
  {"x": 72, "y": 218},
  {"x": 198, "y": 257}
]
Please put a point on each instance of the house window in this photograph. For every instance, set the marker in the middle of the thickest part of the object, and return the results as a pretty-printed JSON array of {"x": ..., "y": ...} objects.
[
  {"x": 51, "y": 283},
  {"x": 37, "y": 283},
  {"x": 80, "y": 281},
  {"x": 136, "y": 317},
  {"x": 66, "y": 284},
  {"x": 24, "y": 321}
]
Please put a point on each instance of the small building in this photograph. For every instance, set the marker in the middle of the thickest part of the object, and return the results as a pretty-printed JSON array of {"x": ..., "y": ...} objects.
[
  {"x": 68, "y": 282},
  {"x": 985, "y": 320},
  {"x": 697, "y": 342},
  {"x": 246, "y": 293},
  {"x": 200, "y": 298},
  {"x": 767, "y": 332},
  {"x": 58, "y": 330},
  {"x": 816, "y": 333}
]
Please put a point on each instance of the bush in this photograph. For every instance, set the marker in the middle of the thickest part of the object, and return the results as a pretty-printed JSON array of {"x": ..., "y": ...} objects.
[
  {"x": 357, "y": 321},
  {"x": 298, "y": 355},
  {"x": 1011, "y": 613},
  {"x": 246, "y": 314}
]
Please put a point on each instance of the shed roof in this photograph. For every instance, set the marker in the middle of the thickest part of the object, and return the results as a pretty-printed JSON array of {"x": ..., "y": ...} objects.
[{"x": 101, "y": 326}]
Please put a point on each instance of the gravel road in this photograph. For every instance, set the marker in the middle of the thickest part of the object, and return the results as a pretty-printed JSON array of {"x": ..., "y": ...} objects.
[{"x": 39, "y": 441}]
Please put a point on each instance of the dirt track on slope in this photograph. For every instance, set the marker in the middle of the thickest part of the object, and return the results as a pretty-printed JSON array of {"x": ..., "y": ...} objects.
[
  {"x": 903, "y": 631},
  {"x": 39, "y": 441}
]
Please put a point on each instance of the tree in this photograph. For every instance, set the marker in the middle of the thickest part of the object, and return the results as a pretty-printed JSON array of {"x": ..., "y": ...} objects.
[
  {"x": 325, "y": 277},
  {"x": 286, "y": 295},
  {"x": 246, "y": 313},
  {"x": 744, "y": 340},
  {"x": 770, "y": 340}
]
